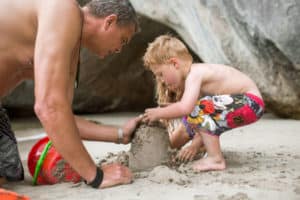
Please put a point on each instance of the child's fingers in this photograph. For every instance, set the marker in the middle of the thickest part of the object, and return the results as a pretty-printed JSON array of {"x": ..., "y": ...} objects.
[
  {"x": 188, "y": 156},
  {"x": 179, "y": 155},
  {"x": 182, "y": 155},
  {"x": 145, "y": 118},
  {"x": 177, "y": 158},
  {"x": 140, "y": 117},
  {"x": 192, "y": 156}
]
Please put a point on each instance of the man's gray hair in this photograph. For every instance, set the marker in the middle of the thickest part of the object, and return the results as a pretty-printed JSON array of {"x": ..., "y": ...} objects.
[{"x": 122, "y": 8}]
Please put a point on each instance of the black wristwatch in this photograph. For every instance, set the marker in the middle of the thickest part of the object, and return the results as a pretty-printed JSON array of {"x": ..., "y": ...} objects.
[{"x": 97, "y": 180}]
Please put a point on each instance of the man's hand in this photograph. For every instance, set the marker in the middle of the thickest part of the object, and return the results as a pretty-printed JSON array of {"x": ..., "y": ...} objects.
[
  {"x": 115, "y": 174},
  {"x": 151, "y": 115},
  {"x": 129, "y": 127}
]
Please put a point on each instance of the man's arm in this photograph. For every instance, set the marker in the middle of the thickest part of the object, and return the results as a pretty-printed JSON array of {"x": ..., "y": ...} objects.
[
  {"x": 58, "y": 32},
  {"x": 106, "y": 133},
  {"x": 91, "y": 131},
  {"x": 53, "y": 54}
]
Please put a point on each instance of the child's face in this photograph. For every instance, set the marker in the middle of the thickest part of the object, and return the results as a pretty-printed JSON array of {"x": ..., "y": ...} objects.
[{"x": 167, "y": 74}]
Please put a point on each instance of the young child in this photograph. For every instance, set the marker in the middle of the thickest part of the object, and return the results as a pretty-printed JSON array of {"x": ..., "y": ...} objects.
[
  {"x": 177, "y": 132},
  {"x": 211, "y": 98}
]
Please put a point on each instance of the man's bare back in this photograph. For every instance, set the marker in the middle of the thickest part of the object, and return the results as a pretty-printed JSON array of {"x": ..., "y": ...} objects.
[
  {"x": 16, "y": 44},
  {"x": 221, "y": 79},
  {"x": 18, "y": 22}
]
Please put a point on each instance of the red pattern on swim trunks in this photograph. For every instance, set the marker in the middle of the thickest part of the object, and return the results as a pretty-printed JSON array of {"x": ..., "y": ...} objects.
[
  {"x": 240, "y": 117},
  {"x": 208, "y": 106}
]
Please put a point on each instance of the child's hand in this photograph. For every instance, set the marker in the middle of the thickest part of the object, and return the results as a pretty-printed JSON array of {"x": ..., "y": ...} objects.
[
  {"x": 151, "y": 115},
  {"x": 188, "y": 153}
]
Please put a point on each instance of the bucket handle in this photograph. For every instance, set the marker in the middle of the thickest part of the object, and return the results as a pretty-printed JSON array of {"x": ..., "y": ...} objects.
[{"x": 40, "y": 162}]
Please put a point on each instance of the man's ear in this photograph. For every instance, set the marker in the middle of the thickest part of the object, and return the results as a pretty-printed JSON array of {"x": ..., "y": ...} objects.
[
  {"x": 174, "y": 61},
  {"x": 110, "y": 20}
]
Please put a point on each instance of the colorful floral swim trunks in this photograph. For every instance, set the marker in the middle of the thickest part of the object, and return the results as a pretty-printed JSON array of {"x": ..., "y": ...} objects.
[{"x": 220, "y": 113}]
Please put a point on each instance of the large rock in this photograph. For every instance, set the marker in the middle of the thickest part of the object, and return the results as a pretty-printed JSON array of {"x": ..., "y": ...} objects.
[{"x": 261, "y": 38}]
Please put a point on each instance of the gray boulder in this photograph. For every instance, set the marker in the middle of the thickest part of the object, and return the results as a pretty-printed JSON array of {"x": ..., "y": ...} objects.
[{"x": 259, "y": 37}]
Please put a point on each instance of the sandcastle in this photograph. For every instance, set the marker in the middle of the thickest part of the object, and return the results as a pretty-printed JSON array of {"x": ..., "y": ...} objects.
[{"x": 149, "y": 148}]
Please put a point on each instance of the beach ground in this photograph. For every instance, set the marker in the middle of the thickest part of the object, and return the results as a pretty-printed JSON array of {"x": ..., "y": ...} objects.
[{"x": 263, "y": 162}]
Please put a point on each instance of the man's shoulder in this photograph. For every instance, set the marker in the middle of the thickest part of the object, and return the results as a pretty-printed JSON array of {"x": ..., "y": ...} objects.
[
  {"x": 59, "y": 21},
  {"x": 66, "y": 13},
  {"x": 65, "y": 7},
  {"x": 55, "y": 2}
]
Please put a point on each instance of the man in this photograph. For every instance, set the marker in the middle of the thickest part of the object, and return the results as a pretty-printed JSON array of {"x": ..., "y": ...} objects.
[{"x": 41, "y": 40}]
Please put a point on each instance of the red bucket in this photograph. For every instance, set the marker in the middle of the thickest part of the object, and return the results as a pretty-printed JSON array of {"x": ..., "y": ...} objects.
[{"x": 54, "y": 168}]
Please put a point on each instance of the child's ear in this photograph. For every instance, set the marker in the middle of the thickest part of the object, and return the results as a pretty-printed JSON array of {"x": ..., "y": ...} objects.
[
  {"x": 175, "y": 62},
  {"x": 109, "y": 20}
]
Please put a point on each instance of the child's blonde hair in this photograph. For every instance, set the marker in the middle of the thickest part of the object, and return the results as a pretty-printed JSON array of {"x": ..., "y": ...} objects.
[
  {"x": 163, "y": 48},
  {"x": 160, "y": 51}
]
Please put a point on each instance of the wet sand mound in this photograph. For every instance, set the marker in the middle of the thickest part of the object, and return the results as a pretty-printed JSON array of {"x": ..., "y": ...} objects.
[{"x": 149, "y": 148}]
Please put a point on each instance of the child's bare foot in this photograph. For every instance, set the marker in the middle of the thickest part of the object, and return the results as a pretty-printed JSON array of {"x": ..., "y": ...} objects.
[{"x": 209, "y": 164}]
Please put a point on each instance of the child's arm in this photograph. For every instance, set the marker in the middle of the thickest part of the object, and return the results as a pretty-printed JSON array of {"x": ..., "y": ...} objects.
[{"x": 181, "y": 108}]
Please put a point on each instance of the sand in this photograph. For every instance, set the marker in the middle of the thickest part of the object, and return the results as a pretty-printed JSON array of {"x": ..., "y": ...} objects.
[
  {"x": 149, "y": 148},
  {"x": 263, "y": 162}
]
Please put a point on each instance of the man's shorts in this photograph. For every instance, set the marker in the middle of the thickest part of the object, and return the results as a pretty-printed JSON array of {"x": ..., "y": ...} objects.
[
  {"x": 10, "y": 163},
  {"x": 220, "y": 113}
]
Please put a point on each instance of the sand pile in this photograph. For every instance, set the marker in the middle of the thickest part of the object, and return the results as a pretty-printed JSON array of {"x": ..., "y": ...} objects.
[
  {"x": 150, "y": 156},
  {"x": 149, "y": 148}
]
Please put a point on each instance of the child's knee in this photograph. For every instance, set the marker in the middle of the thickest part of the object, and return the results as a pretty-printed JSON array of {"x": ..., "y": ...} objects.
[
  {"x": 178, "y": 138},
  {"x": 174, "y": 144}
]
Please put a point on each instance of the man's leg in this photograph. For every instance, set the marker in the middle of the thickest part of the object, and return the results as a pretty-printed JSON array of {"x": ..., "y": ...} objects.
[{"x": 10, "y": 163}]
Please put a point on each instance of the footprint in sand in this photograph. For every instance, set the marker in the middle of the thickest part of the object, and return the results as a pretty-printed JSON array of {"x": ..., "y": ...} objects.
[
  {"x": 238, "y": 196},
  {"x": 297, "y": 190},
  {"x": 201, "y": 197}
]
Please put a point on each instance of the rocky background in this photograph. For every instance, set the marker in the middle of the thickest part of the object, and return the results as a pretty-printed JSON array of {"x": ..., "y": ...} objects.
[{"x": 259, "y": 37}]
